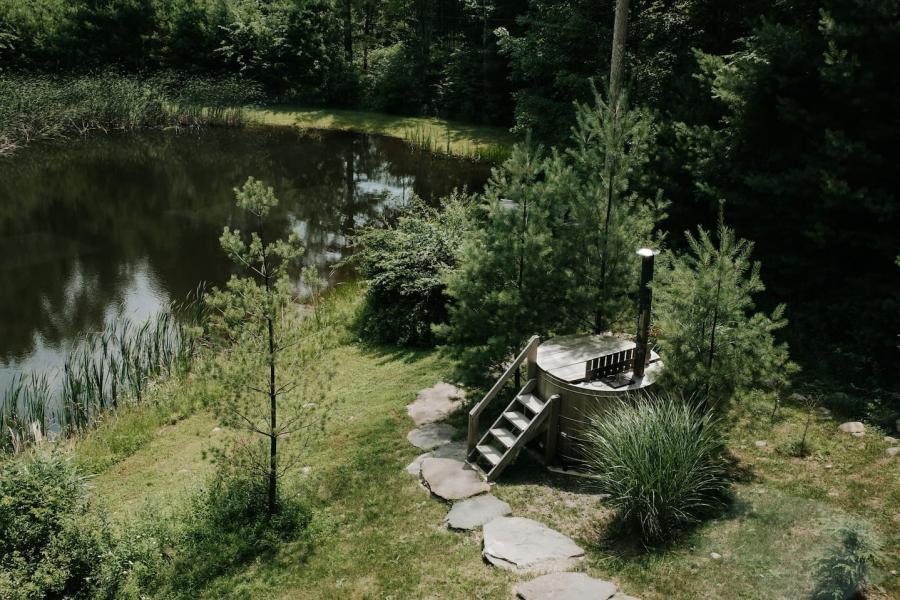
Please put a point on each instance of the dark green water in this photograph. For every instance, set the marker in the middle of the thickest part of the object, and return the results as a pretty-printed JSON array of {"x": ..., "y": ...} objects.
[{"x": 119, "y": 225}]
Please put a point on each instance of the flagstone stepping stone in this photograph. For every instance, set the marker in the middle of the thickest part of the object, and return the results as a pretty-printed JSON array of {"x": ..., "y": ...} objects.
[
  {"x": 455, "y": 450},
  {"x": 431, "y": 435},
  {"x": 475, "y": 512},
  {"x": 435, "y": 403},
  {"x": 452, "y": 479},
  {"x": 415, "y": 467},
  {"x": 566, "y": 586},
  {"x": 525, "y": 546},
  {"x": 854, "y": 428}
]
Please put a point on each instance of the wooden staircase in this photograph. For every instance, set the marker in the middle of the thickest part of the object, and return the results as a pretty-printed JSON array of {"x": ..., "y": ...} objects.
[
  {"x": 522, "y": 420},
  {"x": 515, "y": 426}
]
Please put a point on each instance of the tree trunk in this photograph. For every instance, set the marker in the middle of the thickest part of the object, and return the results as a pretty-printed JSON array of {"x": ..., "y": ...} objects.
[
  {"x": 348, "y": 31},
  {"x": 617, "y": 61}
]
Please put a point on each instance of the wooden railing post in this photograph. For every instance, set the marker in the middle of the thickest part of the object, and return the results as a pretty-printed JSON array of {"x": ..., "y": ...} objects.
[
  {"x": 528, "y": 353},
  {"x": 552, "y": 430}
]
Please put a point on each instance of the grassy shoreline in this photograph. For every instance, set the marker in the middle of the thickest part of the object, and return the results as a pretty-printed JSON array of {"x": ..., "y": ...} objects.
[
  {"x": 431, "y": 134},
  {"x": 377, "y": 533}
]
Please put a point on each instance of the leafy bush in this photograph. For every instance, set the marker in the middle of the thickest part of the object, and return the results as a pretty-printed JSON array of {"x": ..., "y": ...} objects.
[
  {"x": 843, "y": 571},
  {"x": 391, "y": 84},
  {"x": 53, "y": 542},
  {"x": 403, "y": 265},
  {"x": 660, "y": 460}
]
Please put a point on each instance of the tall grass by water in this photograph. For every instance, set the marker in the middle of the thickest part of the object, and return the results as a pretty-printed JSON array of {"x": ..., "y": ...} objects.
[
  {"x": 103, "y": 371},
  {"x": 38, "y": 107}
]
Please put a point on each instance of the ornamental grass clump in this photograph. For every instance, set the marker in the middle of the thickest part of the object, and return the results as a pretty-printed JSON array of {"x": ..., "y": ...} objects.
[{"x": 659, "y": 458}]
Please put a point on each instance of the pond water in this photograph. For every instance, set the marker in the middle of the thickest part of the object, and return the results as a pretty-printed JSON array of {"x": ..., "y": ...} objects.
[{"x": 102, "y": 227}]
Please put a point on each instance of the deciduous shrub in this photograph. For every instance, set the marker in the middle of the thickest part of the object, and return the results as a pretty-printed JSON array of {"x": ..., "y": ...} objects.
[
  {"x": 53, "y": 541},
  {"x": 660, "y": 460},
  {"x": 403, "y": 264}
]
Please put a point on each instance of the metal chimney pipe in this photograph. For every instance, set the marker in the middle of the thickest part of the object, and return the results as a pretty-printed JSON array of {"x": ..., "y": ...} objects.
[{"x": 641, "y": 352}]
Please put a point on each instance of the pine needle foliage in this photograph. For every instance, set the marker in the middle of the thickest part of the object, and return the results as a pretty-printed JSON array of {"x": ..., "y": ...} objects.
[
  {"x": 845, "y": 568},
  {"x": 660, "y": 460},
  {"x": 271, "y": 357},
  {"x": 710, "y": 337}
]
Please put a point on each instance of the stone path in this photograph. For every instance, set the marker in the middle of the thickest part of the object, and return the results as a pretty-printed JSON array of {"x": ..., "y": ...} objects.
[
  {"x": 475, "y": 512},
  {"x": 451, "y": 479},
  {"x": 513, "y": 543},
  {"x": 526, "y": 546}
]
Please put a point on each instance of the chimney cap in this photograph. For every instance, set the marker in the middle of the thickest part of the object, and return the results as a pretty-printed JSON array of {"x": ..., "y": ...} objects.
[{"x": 647, "y": 252}]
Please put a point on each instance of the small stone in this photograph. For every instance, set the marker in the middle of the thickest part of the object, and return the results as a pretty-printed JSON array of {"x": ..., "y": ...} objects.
[
  {"x": 306, "y": 470},
  {"x": 436, "y": 403},
  {"x": 431, "y": 435},
  {"x": 798, "y": 397},
  {"x": 475, "y": 512},
  {"x": 566, "y": 586},
  {"x": 833, "y": 494},
  {"x": 452, "y": 479},
  {"x": 525, "y": 546},
  {"x": 829, "y": 466},
  {"x": 216, "y": 429},
  {"x": 892, "y": 452},
  {"x": 854, "y": 428},
  {"x": 715, "y": 556},
  {"x": 890, "y": 440},
  {"x": 761, "y": 443},
  {"x": 415, "y": 467}
]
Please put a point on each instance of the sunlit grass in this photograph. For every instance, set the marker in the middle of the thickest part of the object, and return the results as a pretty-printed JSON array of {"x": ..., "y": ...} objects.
[{"x": 438, "y": 136}]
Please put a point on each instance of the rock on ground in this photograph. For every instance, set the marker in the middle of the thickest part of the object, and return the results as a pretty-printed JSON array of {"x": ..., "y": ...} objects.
[
  {"x": 431, "y": 435},
  {"x": 452, "y": 479},
  {"x": 475, "y": 512},
  {"x": 415, "y": 467},
  {"x": 526, "y": 546},
  {"x": 566, "y": 586},
  {"x": 455, "y": 450},
  {"x": 854, "y": 428},
  {"x": 892, "y": 452},
  {"x": 435, "y": 403}
]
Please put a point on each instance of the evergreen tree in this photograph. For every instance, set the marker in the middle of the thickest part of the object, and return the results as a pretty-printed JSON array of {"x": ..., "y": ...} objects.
[
  {"x": 270, "y": 359},
  {"x": 612, "y": 210},
  {"x": 510, "y": 280},
  {"x": 712, "y": 341}
]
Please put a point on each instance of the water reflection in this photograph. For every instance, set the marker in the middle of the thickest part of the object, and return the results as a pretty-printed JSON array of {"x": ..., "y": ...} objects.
[{"x": 120, "y": 225}]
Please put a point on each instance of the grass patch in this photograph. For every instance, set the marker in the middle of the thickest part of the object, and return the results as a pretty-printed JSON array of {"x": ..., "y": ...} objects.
[{"x": 430, "y": 134}]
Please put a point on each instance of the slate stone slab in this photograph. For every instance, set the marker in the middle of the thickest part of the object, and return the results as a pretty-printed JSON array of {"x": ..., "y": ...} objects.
[
  {"x": 454, "y": 450},
  {"x": 526, "y": 546},
  {"x": 566, "y": 586},
  {"x": 452, "y": 479},
  {"x": 415, "y": 467},
  {"x": 436, "y": 403},
  {"x": 475, "y": 512},
  {"x": 430, "y": 436}
]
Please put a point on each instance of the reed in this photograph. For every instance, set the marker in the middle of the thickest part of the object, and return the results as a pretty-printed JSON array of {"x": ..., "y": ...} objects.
[
  {"x": 101, "y": 372},
  {"x": 46, "y": 107}
]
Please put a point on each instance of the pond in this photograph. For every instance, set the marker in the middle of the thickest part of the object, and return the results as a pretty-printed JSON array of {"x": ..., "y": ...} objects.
[{"x": 110, "y": 226}]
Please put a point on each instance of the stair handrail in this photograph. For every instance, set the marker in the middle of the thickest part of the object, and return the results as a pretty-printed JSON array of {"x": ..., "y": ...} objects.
[{"x": 529, "y": 353}]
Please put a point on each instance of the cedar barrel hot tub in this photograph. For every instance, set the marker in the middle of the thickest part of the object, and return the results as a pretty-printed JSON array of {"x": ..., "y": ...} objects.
[{"x": 588, "y": 373}]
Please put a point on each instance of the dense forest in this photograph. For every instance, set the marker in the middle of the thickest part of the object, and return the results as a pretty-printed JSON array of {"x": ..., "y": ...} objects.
[{"x": 787, "y": 111}]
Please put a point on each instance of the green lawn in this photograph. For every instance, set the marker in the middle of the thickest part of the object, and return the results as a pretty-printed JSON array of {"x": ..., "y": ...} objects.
[
  {"x": 440, "y": 136},
  {"x": 376, "y": 533}
]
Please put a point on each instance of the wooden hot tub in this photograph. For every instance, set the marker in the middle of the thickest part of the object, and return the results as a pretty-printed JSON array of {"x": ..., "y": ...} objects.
[{"x": 562, "y": 368}]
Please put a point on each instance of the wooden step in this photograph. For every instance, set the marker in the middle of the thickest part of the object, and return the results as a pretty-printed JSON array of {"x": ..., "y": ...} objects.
[
  {"x": 490, "y": 453},
  {"x": 532, "y": 402},
  {"x": 517, "y": 419},
  {"x": 505, "y": 437}
]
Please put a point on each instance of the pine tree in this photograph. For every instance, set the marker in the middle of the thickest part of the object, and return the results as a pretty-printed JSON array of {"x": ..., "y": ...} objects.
[
  {"x": 613, "y": 211},
  {"x": 712, "y": 341},
  {"x": 270, "y": 359},
  {"x": 510, "y": 280}
]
